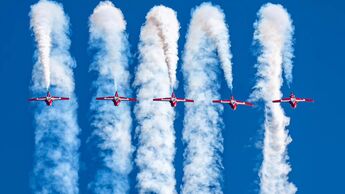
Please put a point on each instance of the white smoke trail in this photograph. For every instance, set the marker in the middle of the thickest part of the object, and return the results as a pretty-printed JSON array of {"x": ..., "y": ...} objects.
[
  {"x": 41, "y": 24},
  {"x": 211, "y": 21},
  {"x": 56, "y": 142},
  {"x": 288, "y": 52},
  {"x": 164, "y": 19},
  {"x": 202, "y": 124},
  {"x": 155, "y": 130},
  {"x": 273, "y": 32},
  {"x": 112, "y": 124}
]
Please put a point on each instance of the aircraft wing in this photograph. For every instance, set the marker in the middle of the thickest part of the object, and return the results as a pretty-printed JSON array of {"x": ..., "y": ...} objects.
[
  {"x": 282, "y": 100},
  {"x": 184, "y": 100},
  {"x": 244, "y": 103},
  {"x": 221, "y": 101},
  {"x": 127, "y": 99},
  {"x": 304, "y": 100},
  {"x": 59, "y": 98},
  {"x": 105, "y": 98},
  {"x": 37, "y": 99},
  {"x": 162, "y": 99}
]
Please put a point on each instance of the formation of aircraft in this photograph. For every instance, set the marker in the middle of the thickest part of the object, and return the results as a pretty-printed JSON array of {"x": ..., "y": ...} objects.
[
  {"x": 48, "y": 99},
  {"x": 293, "y": 100},
  {"x": 233, "y": 103},
  {"x": 173, "y": 100},
  {"x": 117, "y": 99}
]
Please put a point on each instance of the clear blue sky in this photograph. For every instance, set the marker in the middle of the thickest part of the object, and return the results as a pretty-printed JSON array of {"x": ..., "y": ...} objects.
[{"x": 317, "y": 153}]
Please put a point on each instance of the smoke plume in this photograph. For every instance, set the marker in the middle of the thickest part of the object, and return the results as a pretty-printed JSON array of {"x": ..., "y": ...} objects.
[
  {"x": 273, "y": 32},
  {"x": 207, "y": 45},
  {"x": 112, "y": 124},
  {"x": 164, "y": 19},
  {"x": 209, "y": 21},
  {"x": 43, "y": 16},
  {"x": 155, "y": 129},
  {"x": 56, "y": 142}
]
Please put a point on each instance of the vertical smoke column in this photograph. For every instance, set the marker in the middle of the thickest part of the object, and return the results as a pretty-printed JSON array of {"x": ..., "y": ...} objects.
[
  {"x": 112, "y": 124},
  {"x": 56, "y": 142},
  {"x": 41, "y": 24},
  {"x": 167, "y": 25},
  {"x": 207, "y": 45},
  {"x": 156, "y": 136},
  {"x": 273, "y": 32}
]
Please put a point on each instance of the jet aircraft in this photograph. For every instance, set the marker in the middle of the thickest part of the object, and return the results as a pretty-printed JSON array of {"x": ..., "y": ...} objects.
[
  {"x": 293, "y": 100},
  {"x": 117, "y": 99},
  {"x": 48, "y": 99},
  {"x": 173, "y": 100},
  {"x": 233, "y": 103}
]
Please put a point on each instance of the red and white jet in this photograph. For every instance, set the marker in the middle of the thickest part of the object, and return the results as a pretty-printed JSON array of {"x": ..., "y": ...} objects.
[
  {"x": 173, "y": 100},
  {"x": 233, "y": 103},
  {"x": 117, "y": 99},
  {"x": 48, "y": 99},
  {"x": 293, "y": 100}
]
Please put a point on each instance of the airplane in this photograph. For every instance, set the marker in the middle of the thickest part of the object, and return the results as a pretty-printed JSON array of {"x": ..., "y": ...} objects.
[
  {"x": 173, "y": 100},
  {"x": 293, "y": 100},
  {"x": 48, "y": 99},
  {"x": 117, "y": 99},
  {"x": 233, "y": 103}
]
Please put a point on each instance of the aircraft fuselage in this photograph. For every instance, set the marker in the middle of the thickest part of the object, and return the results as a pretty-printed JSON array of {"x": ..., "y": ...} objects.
[
  {"x": 293, "y": 101},
  {"x": 116, "y": 101},
  {"x": 233, "y": 104}
]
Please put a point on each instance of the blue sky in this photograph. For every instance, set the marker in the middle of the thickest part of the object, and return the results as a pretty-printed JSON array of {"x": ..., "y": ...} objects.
[{"x": 316, "y": 153}]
